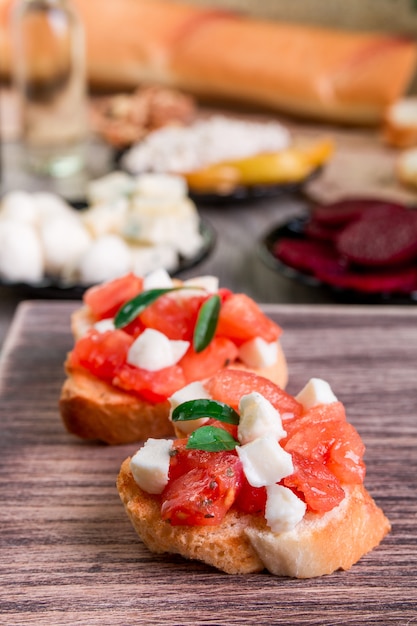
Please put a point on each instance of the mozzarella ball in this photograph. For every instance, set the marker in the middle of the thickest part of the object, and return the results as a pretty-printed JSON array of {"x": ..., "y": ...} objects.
[
  {"x": 108, "y": 257},
  {"x": 21, "y": 258},
  {"x": 50, "y": 205},
  {"x": 64, "y": 240},
  {"x": 19, "y": 206}
]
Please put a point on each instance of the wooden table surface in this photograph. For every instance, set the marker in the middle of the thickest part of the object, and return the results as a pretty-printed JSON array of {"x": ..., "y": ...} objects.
[{"x": 68, "y": 554}]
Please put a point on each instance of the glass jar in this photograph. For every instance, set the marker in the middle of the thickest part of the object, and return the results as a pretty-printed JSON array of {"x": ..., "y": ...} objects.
[{"x": 50, "y": 79}]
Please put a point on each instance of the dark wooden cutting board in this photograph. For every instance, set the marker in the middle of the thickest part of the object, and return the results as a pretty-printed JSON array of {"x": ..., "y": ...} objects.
[{"x": 68, "y": 554}]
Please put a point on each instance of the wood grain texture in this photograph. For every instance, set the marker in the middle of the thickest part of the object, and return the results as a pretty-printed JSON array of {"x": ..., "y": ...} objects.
[{"x": 68, "y": 554}]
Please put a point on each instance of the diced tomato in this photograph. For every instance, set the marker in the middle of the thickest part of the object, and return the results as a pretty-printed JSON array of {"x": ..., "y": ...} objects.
[
  {"x": 135, "y": 328},
  {"x": 199, "y": 365},
  {"x": 152, "y": 386},
  {"x": 105, "y": 299},
  {"x": 102, "y": 354},
  {"x": 251, "y": 499},
  {"x": 183, "y": 459},
  {"x": 231, "y": 428},
  {"x": 334, "y": 411},
  {"x": 229, "y": 385},
  {"x": 224, "y": 294},
  {"x": 173, "y": 316},
  {"x": 203, "y": 495},
  {"x": 336, "y": 444},
  {"x": 315, "y": 484},
  {"x": 241, "y": 319}
]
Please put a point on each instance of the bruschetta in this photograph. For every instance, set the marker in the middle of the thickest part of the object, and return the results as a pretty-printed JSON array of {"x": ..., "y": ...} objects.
[
  {"x": 138, "y": 340},
  {"x": 267, "y": 481}
]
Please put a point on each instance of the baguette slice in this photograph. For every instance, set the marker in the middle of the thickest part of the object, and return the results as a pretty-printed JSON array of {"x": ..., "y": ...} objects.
[
  {"x": 241, "y": 544},
  {"x": 93, "y": 409}
]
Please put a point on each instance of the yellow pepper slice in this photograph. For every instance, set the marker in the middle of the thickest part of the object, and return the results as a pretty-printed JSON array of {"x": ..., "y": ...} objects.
[{"x": 290, "y": 165}]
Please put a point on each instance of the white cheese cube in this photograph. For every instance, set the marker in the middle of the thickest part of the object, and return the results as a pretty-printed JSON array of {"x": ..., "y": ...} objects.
[
  {"x": 103, "y": 326},
  {"x": 150, "y": 465},
  {"x": 264, "y": 461},
  {"x": 210, "y": 284},
  {"x": 158, "y": 279},
  {"x": 160, "y": 185},
  {"x": 153, "y": 351},
  {"x": 283, "y": 509},
  {"x": 316, "y": 391},
  {"x": 193, "y": 391},
  {"x": 258, "y": 353},
  {"x": 258, "y": 418}
]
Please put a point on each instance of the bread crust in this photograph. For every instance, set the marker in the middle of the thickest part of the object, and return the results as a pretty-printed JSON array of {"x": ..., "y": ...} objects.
[{"x": 242, "y": 543}]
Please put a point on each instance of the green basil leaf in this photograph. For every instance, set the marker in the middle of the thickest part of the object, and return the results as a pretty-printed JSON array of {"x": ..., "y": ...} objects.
[
  {"x": 206, "y": 325},
  {"x": 129, "y": 311},
  {"x": 211, "y": 439},
  {"x": 194, "y": 409}
]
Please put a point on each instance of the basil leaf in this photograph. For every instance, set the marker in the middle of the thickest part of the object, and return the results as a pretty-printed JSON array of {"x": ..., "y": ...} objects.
[
  {"x": 194, "y": 409},
  {"x": 206, "y": 325},
  {"x": 211, "y": 439},
  {"x": 129, "y": 311}
]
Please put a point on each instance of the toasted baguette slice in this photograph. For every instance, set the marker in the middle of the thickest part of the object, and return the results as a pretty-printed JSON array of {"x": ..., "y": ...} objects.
[
  {"x": 318, "y": 545},
  {"x": 93, "y": 409}
]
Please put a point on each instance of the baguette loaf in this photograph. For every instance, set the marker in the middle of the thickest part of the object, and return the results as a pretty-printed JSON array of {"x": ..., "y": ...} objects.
[
  {"x": 223, "y": 56},
  {"x": 242, "y": 543}
]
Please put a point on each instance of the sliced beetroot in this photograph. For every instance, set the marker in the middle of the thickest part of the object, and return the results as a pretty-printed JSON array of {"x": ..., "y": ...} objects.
[
  {"x": 402, "y": 281},
  {"x": 348, "y": 210},
  {"x": 307, "y": 255},
  {"x": 316, "y": 230},
  {"x": 385, "y": 237}
]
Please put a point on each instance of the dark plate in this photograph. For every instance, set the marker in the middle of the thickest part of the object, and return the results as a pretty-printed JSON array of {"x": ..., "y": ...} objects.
[
  {"x": 294, "y": 228},
  {"x": 54, "y": 288}
]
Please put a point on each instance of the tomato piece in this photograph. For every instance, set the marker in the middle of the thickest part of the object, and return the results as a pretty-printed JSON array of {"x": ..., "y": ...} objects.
[
  {"x": 203, "y": 495},
  {"x": 315, "y": 484},
  {"x": 105, "y": 300},
  {"x": 199, "y": 365},
  {"x": 251, "y": 499},
  {"x": 241, "y": 319},
  {"x": 336, "y": 444},
  {"x": 229, "y": 385},
  {"x": 183, "y": 459},
  {"x": 152, "y": 386},
  {"x": 102, "y": 354},
  {"x": 333, "y": 411},
  {"x": 174, "y": 316}
]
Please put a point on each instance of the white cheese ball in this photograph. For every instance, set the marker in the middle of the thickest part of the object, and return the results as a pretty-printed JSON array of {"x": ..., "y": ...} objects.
[
  {"x": 108, "y": 257},
  {"x": 19, "y": 206},
  {"x": 64, "y": 240},
  {"x": 21, "y": 258},
  {"x": 50, "y": 205}
]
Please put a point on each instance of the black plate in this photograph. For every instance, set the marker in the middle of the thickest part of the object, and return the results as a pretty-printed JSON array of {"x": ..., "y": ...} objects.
[
  {"x": 57, "y": 289},
  {"x": 294, "y": 228}
]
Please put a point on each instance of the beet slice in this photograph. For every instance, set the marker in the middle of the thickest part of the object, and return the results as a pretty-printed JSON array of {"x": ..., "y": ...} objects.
[
  {"x": 387, "y": 236},
  {"x": 307, "y": 255},
  {"x": 348, "y": 210},
  {"x": 401, "y": 281}
]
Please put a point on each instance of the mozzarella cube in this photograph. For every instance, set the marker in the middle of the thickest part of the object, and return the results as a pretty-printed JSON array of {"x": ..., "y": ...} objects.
[
  {"x": 153, "y": 351},
  {"x": 264, "y": 461},
  {"x": 210, "y": 284},
  {"x": 258, "y": 353},
  {"x": 316, "y": 391},
  {"x": 103, "y": 326},
  {"x": 193, "y": 391},
  {"x": 150, "y": 465},
  {"x": 283, "y": 509},
  {"x": 161, "y": 185},
  {"x": 158, "y": 279},
  {"x": 258, "y": 418}
]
